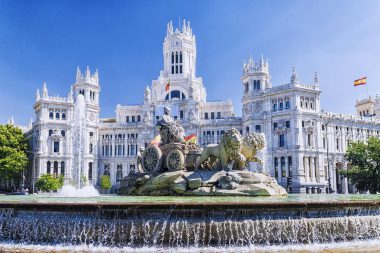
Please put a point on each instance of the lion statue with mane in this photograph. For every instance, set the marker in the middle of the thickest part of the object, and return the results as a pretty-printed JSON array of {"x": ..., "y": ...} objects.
[{"x": 233, "y": 149}]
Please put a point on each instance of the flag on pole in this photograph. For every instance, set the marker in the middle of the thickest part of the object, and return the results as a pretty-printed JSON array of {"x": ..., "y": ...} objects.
[
  {"x": 360, "y": 81},
  {"x": 167, "y": 87},
  {"x": 191, "y": 139}
]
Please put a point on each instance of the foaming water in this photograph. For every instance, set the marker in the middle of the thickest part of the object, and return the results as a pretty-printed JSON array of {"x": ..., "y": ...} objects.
[
  {"x": 352, "y": 247},
  {"x": 70, "y": 191}
]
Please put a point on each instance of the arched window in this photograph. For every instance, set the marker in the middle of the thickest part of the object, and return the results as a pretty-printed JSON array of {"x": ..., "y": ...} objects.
[
  {"x": 281, "y": 104},
  {"x": 57, "y": 116},
  {"x": 172, "y": 59},
  {"x": 90, "y": 171},
  {"x": 180, "y": 57},
  {"x": 301, "y": 102},
  {"x": 247, "y": 129},
  {"x": 48, "y": 167},
  {"x": 63, "y": 133},
  {"x": 63, "y": 115},
  {"x": 176, "y": 57},
  {"x": 62, "y": 168},
  {"x": 307, "y": 103},
  {"x": 55, "y": 168},
  {"x": 274, "y": 105},
  {"x": 175, "y": 94},
  {"x": 51, "y": 115},
  {"x": 119, "y": 173}
]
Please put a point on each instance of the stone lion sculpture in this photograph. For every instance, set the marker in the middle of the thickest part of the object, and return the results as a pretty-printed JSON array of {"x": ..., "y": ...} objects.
[
  {"x": 226, "y": 152},
  {"x": 252, "y": 143},
  {"x": 233, "y": 148}
]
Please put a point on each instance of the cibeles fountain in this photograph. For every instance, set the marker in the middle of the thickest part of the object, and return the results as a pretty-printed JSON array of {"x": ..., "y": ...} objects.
[
  {"x": 76, "y": 186},
  {"x": 187, "y": 198},
  {"x": 176, "y": 166}
]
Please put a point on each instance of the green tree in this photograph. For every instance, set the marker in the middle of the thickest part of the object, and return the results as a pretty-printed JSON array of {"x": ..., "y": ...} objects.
[
  {"x": 13, "y": 148},
  {"x": 364, "y": 165},
  {"x": 47, "y": 183},
  {"x": 105, "y": 182}
]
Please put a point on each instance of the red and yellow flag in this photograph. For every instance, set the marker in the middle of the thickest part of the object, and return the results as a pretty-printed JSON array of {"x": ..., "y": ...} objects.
[
  {"x": 167, "y": 87},
  {"x": 191, "y": 139},
  {"x": 360, "y": 81}
]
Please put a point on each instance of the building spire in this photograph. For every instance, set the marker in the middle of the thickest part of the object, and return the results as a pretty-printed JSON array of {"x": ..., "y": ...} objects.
[
  {"x": 44, "y": 90},
  {"x": 316, "y": 78},
  {"x": 38, "y": 96},
  {"x": 78, "y": 74},
  {"x": 294, "y": 77}
]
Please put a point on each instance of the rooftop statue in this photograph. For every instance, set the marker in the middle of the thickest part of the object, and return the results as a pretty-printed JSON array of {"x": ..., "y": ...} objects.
[{"x": 173, "y": 165}]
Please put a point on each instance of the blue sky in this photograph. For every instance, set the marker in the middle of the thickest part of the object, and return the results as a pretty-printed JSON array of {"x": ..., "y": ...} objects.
[{"x": 47, "y": 40}]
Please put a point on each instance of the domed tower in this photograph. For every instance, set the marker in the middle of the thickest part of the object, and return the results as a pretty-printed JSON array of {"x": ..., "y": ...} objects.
[
  {"x": 255, "y": 80},
  {"x": 256, "y": 76}
]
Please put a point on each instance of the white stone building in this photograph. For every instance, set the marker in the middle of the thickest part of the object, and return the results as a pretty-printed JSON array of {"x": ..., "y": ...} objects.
[{"x": 290, "y": 115}]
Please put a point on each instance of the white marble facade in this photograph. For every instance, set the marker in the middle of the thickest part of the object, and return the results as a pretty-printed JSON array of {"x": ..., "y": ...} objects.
[{"x": 288, "y": 114}]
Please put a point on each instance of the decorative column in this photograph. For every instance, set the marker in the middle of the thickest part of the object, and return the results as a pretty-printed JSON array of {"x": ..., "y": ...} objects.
[{"x": 312, "y": 168}]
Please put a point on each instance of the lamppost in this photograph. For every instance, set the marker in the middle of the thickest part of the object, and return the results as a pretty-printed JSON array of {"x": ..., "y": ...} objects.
[{"x": 326, "y": 119}]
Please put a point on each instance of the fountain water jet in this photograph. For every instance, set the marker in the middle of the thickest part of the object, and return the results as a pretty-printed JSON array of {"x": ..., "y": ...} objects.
[{"x": 77, "y": 187}]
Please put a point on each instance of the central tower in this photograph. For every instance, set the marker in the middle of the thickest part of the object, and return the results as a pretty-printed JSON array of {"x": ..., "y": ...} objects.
[
  {"x": 178, "y": 80},
  {"x": 179, "y": 51}
]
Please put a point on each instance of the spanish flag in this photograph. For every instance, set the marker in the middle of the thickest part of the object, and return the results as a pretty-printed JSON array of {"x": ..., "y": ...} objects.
[
  {"x": 191, "y": 139},
  {"x": 167, "y": 87},
  {"x": 361, "y": 81}
]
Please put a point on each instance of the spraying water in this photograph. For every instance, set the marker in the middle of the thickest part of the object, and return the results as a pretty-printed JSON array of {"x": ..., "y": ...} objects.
[{"x": 78, "y": 187}]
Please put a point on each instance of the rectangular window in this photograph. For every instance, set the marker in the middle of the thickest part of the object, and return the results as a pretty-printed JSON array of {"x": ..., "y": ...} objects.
[
  {"x": 287, "y": 124},
  {"x": 219, "y": 115},
  {"x": 324, "y": 142},
  {"x": 56, "y": 147},
  {"x": 276, "y": 167},
  {"x": 180, "y": 69},
  {"x": 212, "y": 115},
  {"x": 290, "y": 166},
  {"x": 176, "y": 69},
  {"x": 206, "y": 115},
  {"x": 127, "y": 119},
  {"x": 258, "y": 128},
  {"x": 274, "y": 126},
  {"x": 282, "y": 140},
  {"x": 180, "y": 57},
  {"x": 246, "y": 87},
  {"x": 181, "y": 114},
  {"x": 138, "y": 118},
  {"x": 133, "y": 118},
  {"x": 173, "y": 69}
]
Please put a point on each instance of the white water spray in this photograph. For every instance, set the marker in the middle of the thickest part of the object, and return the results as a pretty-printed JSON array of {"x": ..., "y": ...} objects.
[{"x": 78, "y": 187}]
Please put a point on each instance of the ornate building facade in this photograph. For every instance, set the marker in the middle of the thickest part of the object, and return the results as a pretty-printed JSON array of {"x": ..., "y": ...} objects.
[{"x": 305, "y": 146}]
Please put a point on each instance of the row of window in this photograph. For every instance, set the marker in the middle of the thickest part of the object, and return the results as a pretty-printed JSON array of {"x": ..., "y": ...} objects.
[
  {"x": 57, "y": 114},
  {"x": 119, "y": 150},
  {"x": 176, "y": 66},
  {"x": 133, "y": 118},
  {"x": 119, "y": 136},
  {"x": 212, "y": 115},
  {"x": 55, "y": 166},
  {"x": 256, "y": 86},
  {"x": 280, "y": 104},
  {"x": 306, "y": 102},
  {"x": 92, "y": 94},
  {"x": 119, "y": 171},
  {"x": 283, "y": 168}
]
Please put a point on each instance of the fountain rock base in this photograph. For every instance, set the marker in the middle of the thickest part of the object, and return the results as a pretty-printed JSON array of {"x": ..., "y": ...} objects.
[{"x": 202, "y": 183}]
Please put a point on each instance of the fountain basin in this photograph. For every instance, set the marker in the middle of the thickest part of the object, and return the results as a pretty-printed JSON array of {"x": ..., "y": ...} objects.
[{"x": 164, "y": 222}]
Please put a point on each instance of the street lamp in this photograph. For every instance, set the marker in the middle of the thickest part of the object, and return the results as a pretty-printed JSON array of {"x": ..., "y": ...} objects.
[{"x": 326, "y": 119}]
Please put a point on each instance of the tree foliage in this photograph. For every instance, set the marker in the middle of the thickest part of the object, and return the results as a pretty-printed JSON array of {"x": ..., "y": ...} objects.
[
  {"x": 47, "y": 183},
  {"x": 364, "y": 165},
  {"x": 13, "y": 148},
  {"x": 105, "y": 182}
]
